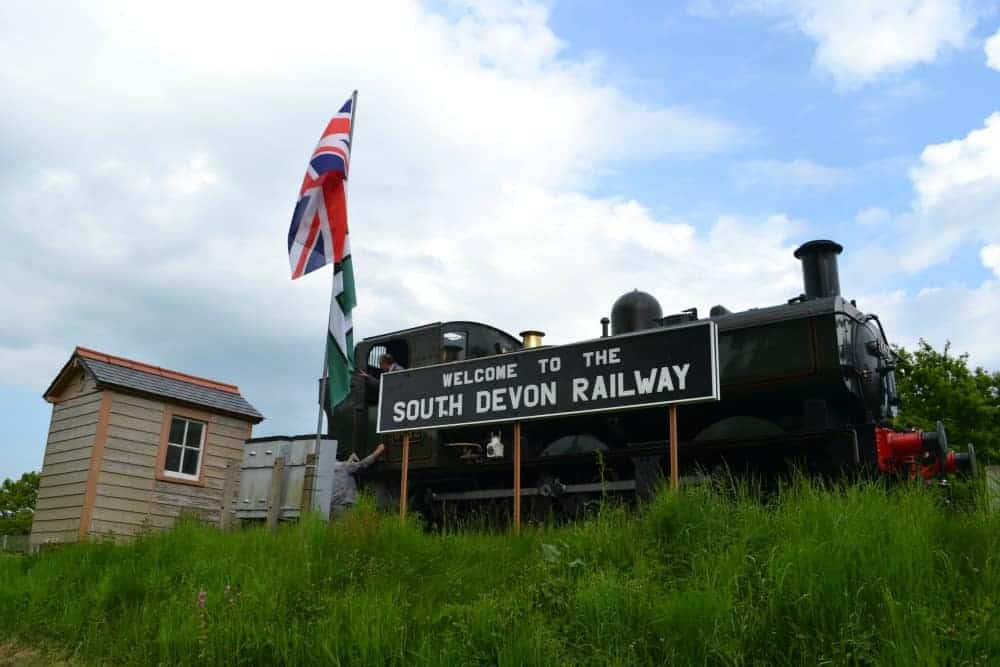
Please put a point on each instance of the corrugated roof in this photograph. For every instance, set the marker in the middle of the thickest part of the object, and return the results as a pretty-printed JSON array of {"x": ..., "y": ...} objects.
[{"x": 144, "y": 378}]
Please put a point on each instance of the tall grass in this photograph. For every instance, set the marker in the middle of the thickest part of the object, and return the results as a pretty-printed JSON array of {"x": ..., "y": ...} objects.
[{"x": 854, "y": 575}]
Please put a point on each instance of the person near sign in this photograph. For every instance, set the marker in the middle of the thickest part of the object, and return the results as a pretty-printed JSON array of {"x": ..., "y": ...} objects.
[
  {"x": 345, "y": 487},
  {"x": 387, "y": 363}
]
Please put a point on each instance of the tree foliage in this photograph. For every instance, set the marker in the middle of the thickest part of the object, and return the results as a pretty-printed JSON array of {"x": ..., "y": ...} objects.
[
  {"x": 17, "y": 504},
  {"x": 937, "y": 385}
]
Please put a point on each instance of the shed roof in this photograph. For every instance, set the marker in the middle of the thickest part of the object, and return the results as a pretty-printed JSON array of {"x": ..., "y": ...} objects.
[{"x": 112, "y": 371}]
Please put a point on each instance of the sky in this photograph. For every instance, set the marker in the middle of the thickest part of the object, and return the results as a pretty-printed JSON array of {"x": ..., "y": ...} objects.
[{"x": 516, "y": 163}]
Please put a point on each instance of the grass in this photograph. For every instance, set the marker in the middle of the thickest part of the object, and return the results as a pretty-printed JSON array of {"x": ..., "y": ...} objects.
[{"x": 854, "y": 575}]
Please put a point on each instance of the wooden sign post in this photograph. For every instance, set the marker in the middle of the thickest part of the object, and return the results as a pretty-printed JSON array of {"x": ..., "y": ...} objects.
[
  {"x": 517, "y": 478},
  {"x": 675, "y": 473},
  {"x": 403, "y": 477}
]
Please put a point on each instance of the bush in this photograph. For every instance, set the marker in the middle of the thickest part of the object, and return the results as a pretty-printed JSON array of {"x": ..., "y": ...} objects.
[{"x": 940, "y": 385}]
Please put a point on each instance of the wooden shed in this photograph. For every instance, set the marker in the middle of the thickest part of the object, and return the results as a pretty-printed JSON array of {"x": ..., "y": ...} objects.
[{"x": 131, "y": 446}]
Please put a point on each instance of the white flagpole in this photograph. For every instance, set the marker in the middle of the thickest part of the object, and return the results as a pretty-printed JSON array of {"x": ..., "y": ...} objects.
[{"x": 333, "y": 297}]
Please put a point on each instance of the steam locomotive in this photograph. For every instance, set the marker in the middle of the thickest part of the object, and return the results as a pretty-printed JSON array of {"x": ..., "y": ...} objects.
[{"x": 809, "y": 381}]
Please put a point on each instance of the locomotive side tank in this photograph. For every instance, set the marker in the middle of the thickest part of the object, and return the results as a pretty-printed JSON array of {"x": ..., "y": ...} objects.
[{"x": 810, "y": 380}]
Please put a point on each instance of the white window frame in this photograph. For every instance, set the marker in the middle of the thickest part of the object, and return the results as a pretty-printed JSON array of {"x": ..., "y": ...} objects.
[{"x": 201, "y": 449}]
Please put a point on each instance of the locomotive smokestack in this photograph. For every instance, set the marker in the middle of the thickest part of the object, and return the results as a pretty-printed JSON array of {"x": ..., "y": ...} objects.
[{"x": 819, "y": 268}]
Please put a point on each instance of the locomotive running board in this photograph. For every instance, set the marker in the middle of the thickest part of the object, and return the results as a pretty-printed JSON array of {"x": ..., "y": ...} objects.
[{"x": 489, "y": 494}]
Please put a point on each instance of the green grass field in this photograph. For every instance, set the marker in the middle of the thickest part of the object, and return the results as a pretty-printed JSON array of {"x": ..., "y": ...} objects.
[{"x": 856, "y": 575}]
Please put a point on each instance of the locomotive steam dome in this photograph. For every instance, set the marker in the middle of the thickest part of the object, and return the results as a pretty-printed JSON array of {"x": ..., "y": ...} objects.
[{"x": 634, "y": 311}]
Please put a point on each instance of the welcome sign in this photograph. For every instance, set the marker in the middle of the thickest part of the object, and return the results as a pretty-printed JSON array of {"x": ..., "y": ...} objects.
[{"x": 665, "y": 366}]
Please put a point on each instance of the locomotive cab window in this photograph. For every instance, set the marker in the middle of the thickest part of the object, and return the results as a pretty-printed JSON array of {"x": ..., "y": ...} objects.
[
  {"x": 399, "y": 350},
  {"x": 374, "y": 355},
  {"x": 454, "y": 345}
]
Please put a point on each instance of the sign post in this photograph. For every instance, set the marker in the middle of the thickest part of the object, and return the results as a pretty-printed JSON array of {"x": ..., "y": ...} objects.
[
  {"x": 517, "y": 478},
  {"x": 402, "y": 479},
  {"x": 675, "y": 473},
  {"x": 652, "y": 368}
]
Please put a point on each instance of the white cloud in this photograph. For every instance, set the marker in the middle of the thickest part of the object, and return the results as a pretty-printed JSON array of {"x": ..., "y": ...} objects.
[
  {"x": 993, "y": 51},
  {"x": 963, "y": 166},
  {"x": 873, "y": 216},
  {"x": 795, "y": 174},
  {"x": 957, "y": 187},
  {"x": 956, "y": 202},
  {"x": 58, "y": 179},
  {"x": 191, "y": 177},
  {"x": 161, "y": 234},
  {"x": 990, "y": 256},
  {"x": 966, "y": 316},
  {"x": 859, "y": 42}
]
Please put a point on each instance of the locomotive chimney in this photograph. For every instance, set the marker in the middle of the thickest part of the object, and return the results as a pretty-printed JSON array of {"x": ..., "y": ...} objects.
[{"x": 819, "y": 268}]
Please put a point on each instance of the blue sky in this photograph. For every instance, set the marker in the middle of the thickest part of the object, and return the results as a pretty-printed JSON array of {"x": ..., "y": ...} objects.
[{"x": 516, "y": 163}]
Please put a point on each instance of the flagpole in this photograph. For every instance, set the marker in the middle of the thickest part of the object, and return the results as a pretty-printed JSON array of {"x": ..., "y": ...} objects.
[{"x": 333, "y": 286}]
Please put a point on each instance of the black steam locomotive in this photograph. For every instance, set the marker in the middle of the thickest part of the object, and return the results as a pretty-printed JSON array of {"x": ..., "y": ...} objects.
[{"x": 809, "y": 381}]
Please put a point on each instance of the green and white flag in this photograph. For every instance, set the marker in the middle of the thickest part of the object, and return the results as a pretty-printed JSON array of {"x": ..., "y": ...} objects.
[{"x": 340, "y": 335}]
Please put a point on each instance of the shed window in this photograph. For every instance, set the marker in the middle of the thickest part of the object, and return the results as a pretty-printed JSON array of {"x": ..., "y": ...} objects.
[{"x": 184, "y": 446}]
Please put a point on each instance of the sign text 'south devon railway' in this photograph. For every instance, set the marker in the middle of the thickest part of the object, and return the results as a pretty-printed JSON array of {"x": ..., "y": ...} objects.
[{"x": 654, "y": 367}]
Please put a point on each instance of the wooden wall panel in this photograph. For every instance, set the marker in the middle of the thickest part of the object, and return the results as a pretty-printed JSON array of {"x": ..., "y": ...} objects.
[
  {"x": 87, "y": 430},
  {"x": 64, "y": 456},
  {"x": 62, "y": 484},
  {"x": 124, "y": 492},
  {"x": 58, "y": 502},
  {"x": 74, "y": 444},
  {"x": 55, "y": 469},
  {"x": 125, "y": 456},
  {"x": 129, "y": 496},
  {"x": 76, "y": 407},
  {"x": 54, "y": 525},
  {"x": 61, "y": 490},
  {"x": 115, "y": 431}
]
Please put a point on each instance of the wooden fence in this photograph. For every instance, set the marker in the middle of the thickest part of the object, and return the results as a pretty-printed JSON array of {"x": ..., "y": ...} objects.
[{"x": 14, "y": 543}]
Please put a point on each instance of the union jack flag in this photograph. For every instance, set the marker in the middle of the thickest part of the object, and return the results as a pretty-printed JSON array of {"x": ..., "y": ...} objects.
[
  {"x": 318, "y": 236},
  {"x": 318, "y": 233}
]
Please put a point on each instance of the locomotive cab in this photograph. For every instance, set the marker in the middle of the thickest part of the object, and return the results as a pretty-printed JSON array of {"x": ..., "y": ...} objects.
[{"x": 353, "y": 421}]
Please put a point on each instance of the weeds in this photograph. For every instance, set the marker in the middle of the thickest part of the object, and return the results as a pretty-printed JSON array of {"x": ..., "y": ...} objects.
[{"x": 857, "y": 574}]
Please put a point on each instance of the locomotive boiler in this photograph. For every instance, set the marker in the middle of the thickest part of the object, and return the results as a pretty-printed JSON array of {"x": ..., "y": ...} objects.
[{"x": 808, "y": 382}]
